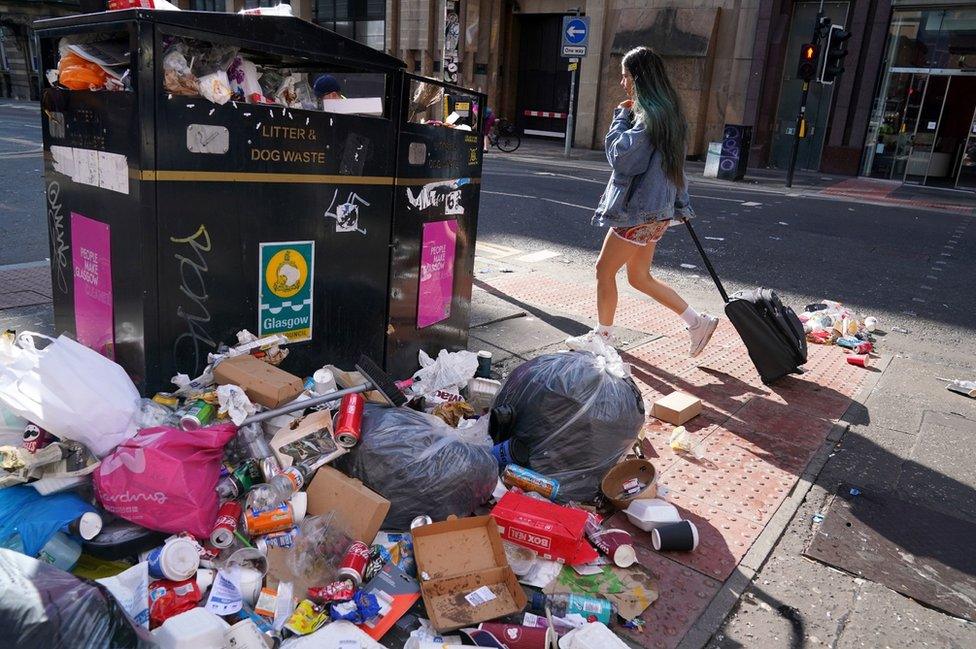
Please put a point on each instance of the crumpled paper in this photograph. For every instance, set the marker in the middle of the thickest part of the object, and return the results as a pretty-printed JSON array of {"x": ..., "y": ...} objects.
[{"x": 234, "y": 403}]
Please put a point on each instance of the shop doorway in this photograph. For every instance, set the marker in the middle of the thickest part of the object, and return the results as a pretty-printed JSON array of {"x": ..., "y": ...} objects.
[{"x": 929, "y": 138}]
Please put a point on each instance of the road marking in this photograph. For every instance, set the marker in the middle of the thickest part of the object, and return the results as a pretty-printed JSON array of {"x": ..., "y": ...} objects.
[
  {"x": 935, "y": 277},
  {"x": 17, "y": 140},
  {"x": 538, "y": 255},
  {"x": 716, "y": 198},
  {"x": 924, "y": 287},
  {"x": 540, "y": 198},
  {"x": 26, "y": 264},
  {"x": 495, "y": 250},
  {"x": 941, "y": 262},
  {"x": 21, "y": 154},
  {"x": 555, "y": 175},
  {"x": 31, "y": 107},
  {"x": 751, "y": 204}
]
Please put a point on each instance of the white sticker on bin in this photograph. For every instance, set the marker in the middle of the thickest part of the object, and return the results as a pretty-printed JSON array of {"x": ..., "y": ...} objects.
[
  {"x": 481, "y": 596},
  {"x": 95, "y": 168}
]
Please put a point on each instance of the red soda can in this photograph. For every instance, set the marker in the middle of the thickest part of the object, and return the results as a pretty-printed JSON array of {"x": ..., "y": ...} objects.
[
  {"x": 227, "y": 517},
  {"x": 354, "y": 562},
  {"x": 349, "y": 421},
  {"x": 36, "y": 438}
]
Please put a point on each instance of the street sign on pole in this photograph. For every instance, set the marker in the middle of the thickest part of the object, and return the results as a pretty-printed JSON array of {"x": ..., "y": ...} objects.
[{"x": 576, "y": 34}]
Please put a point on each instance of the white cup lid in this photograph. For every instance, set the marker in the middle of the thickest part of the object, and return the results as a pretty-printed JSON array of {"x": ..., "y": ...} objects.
[
  {"x": 89, "y": 525},
  {"x": 299, "y": 505}
]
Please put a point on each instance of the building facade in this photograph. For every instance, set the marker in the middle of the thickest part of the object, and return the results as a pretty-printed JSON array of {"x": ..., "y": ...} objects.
[{"x": 903, "y": 110}]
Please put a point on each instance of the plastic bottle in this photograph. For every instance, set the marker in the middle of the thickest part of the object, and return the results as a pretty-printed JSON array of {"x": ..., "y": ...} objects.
[
  {"x": 253, "y": 440},
  {"x": 563, "y": 604},
  {"x": 60, "y": 551},
  {"x": 281, "y": 487}
]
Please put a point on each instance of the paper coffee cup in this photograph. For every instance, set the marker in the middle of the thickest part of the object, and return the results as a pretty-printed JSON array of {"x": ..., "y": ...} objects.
[
  {"x": 676, "y": 537},
  {"x": 616, "y": 544}
]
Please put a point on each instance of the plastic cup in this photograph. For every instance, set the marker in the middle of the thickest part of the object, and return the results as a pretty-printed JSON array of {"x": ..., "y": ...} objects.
[
  {"x": 678, "y": 537},
  {"x": 861, "y": 360}
]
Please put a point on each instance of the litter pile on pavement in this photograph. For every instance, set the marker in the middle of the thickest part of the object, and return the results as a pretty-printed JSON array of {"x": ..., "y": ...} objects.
[
  {"x": 251, "y": 508},
  {"x": 831, "y": 323}
]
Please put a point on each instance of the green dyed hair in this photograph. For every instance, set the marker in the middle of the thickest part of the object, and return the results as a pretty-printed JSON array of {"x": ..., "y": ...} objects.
[{"x": 658, "y": 108}]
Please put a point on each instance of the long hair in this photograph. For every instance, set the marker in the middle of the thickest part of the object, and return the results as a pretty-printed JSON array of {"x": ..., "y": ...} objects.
[{"x": 658, "y": 108}]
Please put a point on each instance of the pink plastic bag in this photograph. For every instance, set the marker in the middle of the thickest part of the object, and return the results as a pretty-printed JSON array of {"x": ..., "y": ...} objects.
[{"x": 165, "y": 479}]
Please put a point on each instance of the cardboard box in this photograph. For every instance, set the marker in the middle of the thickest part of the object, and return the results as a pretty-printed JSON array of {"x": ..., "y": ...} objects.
[
  {"x": 262, "y": 382},
  {"x": 352, "y": 379},
  {"x": 676, "y": 408},
  {"x": 554, "y": 531},
  {"x": 465, "y": 576},
  {"x": 358, "y": 509}
]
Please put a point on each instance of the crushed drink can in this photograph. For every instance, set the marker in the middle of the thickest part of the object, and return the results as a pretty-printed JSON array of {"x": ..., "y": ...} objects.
[
  {"x": 337, "y": 591},
  {"x": 420, "y": 521},
  {"x": 282, "y": 539},
  {"x": 528, "y": 480},
  {"x": 258, "y": 522},
  {"x": 228, "y": 516},
  {"x": 167, "y": 399},
  {"x": 349, "y": 421},
  {"x": 198, "y": 415},
  {"x": 354, "y": 562},
  {"x": 36, "y": 438},
  {"x": 246, "y": 475}
]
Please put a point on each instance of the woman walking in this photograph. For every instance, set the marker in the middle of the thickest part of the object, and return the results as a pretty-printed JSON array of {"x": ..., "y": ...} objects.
[{"x": 646, "y": 150}]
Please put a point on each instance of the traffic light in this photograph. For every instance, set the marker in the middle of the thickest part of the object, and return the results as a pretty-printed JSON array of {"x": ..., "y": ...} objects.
[
  {"x": 806, "y": 69},
  {"x": 836, "y": 51}
]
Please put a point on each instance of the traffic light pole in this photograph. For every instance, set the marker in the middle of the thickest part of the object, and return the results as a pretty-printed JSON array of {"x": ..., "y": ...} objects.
[
  {"x": 795, "y": 146},
  {"x": 801, "y": 115}
]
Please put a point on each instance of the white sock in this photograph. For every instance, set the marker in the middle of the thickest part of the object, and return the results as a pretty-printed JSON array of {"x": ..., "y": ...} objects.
[
  {"x": 691, "y": 317},
  {"x": 604, "y": 330}
]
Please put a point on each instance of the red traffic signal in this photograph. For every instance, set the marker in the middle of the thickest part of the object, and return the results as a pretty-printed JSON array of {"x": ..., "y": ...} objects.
[{"x": 806, "y": 69}]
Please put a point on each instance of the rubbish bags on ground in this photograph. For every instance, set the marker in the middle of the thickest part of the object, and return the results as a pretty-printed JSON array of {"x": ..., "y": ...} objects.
[
  {"x": 69, "y": 390},
  {"x": 577, "y": 418},
  {"x": 421, "y": 465},
  {"x": 42, "y": 606},
  {"x": 165, "y": 479}
]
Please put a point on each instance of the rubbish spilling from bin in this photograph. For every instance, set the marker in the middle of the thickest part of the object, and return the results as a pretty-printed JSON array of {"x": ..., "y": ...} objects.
[
  {"x": 250, "y": 503},
  {"x": 831, "y": 323}
]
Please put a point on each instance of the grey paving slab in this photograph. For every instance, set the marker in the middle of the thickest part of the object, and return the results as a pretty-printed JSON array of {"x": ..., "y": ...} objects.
[{"x": 869, "y": 456}]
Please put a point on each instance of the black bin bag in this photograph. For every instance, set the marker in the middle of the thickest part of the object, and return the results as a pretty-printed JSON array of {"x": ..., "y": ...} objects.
[
  {"x": 576, "y": 416},
  {"x": 421, "y": 465},
  {"x": 44, "y": 606}
]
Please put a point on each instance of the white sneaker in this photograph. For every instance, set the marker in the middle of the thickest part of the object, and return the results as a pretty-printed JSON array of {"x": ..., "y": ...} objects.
[
  {"x": 585, "y": 342},
  {"x": 702, "y": 333}
]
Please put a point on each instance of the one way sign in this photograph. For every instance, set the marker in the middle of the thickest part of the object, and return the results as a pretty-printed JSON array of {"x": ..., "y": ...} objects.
[{"x": 576, "y": 33}]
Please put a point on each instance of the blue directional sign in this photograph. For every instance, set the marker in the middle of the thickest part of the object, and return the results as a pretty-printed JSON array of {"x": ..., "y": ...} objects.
[{"x": 576, "y": 32}]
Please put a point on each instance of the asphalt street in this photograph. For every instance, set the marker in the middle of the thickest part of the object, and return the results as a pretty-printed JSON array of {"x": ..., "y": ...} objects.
[
  {"x": 906, "y": 266},
  {"x": 23, "y": 230}
]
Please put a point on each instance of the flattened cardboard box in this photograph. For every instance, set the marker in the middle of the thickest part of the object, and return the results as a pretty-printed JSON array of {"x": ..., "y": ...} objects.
[
  {"x": 262, "y": 382},
  {"x": 457, "y": 557},
  {"x": 358, "y": 509}
]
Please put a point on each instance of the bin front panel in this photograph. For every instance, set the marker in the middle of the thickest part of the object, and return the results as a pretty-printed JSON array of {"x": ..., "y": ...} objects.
[
  {"x": 276, "y": 221},
  {"x": 100, "y": 221},
  {"x": 435, "y": 226}
]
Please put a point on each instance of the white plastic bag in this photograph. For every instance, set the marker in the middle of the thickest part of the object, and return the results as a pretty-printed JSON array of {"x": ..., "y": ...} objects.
[
  {"x": 450, "y": 370},
  {"x": 69, "y": 390}
]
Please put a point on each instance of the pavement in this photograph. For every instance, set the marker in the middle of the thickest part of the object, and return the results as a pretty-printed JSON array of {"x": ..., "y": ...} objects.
[{"x": 772, "y": 456}]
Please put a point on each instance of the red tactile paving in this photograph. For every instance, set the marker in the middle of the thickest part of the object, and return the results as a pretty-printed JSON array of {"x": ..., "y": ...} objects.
[
  {"x": 657, "y": 440},
  {"x": 684, "y": 595},
  {"x": 762, "y": 416},
  {"x": 734, "y": 476}
]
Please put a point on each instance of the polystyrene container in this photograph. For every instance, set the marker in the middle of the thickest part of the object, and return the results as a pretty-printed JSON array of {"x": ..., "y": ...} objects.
[
  {"x": 197, "y": 628},
  {"x": 651, "y": 513}
]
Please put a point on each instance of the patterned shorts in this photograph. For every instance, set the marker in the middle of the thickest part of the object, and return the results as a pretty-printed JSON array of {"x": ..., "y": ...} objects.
[{"x": 643, "y": 234}]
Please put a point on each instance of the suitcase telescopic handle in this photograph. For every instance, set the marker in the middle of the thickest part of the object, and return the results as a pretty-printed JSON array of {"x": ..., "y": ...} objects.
[{"x": 708, "y": 264}]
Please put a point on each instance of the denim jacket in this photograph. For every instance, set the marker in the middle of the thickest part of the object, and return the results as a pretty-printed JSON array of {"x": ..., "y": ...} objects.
[{"x": 655, "y": 198}]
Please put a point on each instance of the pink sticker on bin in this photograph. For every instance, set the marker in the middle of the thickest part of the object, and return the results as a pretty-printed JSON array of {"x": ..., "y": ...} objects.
[
  {"x": 436, "y": 272},
  {"x": 91, "y": 263}
]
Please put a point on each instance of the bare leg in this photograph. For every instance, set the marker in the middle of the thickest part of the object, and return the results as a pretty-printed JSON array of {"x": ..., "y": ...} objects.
[
  {"x": 639, "y": 276},
  {"x": 615, "y": 253}
]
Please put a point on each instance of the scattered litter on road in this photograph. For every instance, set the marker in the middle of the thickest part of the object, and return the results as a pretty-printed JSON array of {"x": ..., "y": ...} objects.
[{"x": 963, "y": 387}]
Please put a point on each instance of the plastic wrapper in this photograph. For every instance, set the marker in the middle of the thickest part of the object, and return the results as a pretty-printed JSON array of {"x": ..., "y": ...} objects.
[
  {"x": 421, "y": 465},
  {"x": 178, "y": 78},
  {"x": 42, "y": 606},
  {"x": 35, "y": 517},
  {"x": 216, "y": 87},
  {"x": 318, "y": 550},
  {"x": 577, "y": 418},
  {"x": 75, "y": 73}
]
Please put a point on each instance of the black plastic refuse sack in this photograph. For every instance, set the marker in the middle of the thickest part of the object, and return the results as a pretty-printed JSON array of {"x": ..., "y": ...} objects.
[
  {"x": 421, "y": 465},
  {"x": 44, "y": 606},
  {"x": 576, "y": 416}
]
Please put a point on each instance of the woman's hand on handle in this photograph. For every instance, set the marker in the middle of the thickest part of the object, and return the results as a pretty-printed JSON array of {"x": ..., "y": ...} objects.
[{"x": 626, "y": 103}]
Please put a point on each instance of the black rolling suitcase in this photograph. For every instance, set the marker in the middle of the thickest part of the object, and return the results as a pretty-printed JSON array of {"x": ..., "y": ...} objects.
[{"x": 772, "y": 332}]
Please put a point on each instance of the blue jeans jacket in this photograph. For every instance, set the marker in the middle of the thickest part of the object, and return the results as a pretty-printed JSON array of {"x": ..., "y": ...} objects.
[{"x": 655, "y": 198}]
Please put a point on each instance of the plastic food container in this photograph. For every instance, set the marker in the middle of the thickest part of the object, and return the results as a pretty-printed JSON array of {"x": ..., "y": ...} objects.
[{"x": 197, "y": 628}]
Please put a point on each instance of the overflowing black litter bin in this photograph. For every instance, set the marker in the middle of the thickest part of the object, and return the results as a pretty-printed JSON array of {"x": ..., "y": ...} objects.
[{"x": 211, "y": 184}]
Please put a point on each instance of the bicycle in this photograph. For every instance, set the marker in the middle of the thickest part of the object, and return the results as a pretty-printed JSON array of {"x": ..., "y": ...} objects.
[{"x": 505, "y": 136}]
